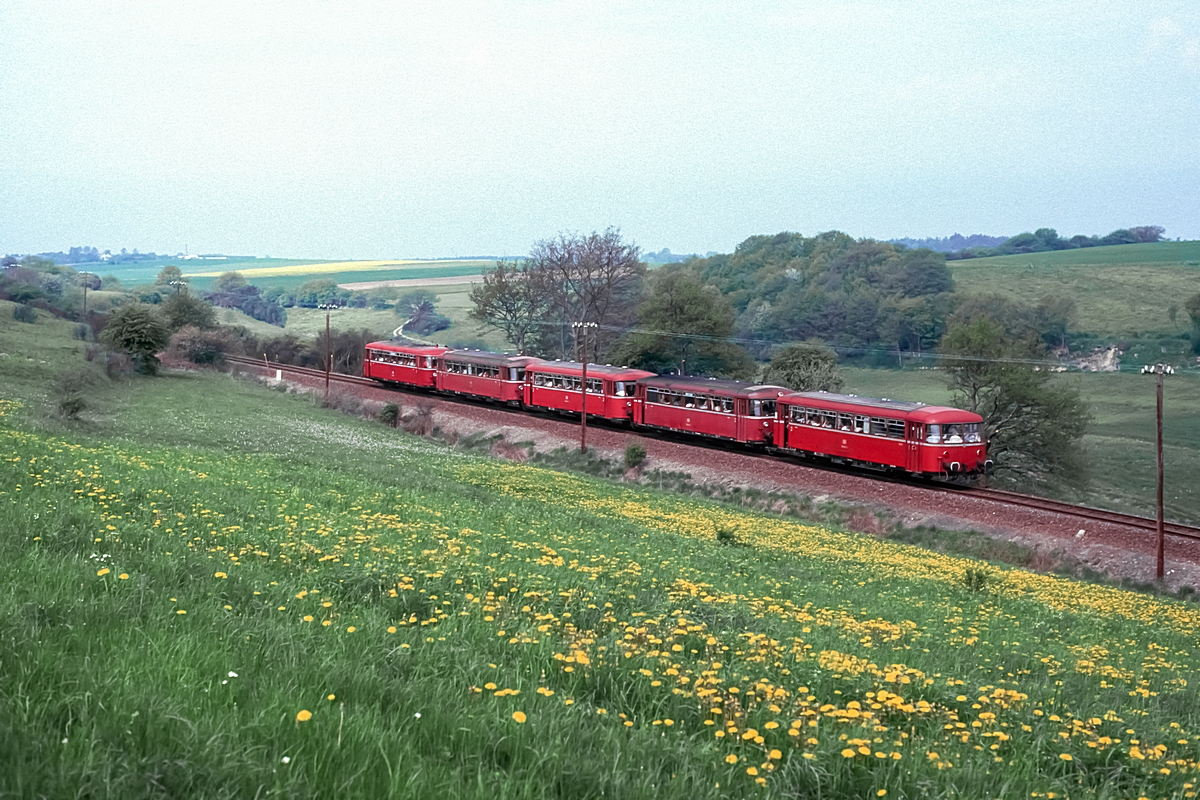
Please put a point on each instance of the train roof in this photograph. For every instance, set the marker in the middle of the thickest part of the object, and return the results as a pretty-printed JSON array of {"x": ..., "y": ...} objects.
[
  {"x": 493, "y": 359},
  {"x": 714, "y": 386},
  {"x": 576, "y": 368},
  {"x": 917, "y": 412},
  {"x": 404, "y": 347}
]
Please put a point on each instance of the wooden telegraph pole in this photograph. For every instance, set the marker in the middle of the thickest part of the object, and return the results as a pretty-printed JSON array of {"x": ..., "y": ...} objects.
[
  {"x": 582, "y": 330},
  {"x": 1159, "y": 370}
]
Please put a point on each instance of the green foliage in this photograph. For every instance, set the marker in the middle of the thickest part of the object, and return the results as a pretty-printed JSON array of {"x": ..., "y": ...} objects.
[
  {"x": 172, "y": 276},
  {"x": 22, "y": 313},
  {"x": 514, "y": 299},
  {"x": 683, "y": 325},
  {"x": 847, "y": 292},
  {"x": 200, "y": 345},
  {"x": 138, "y": 331},
  {"x": 390, "y": 415},
  {"x": 805, "y": 367},
  {"x": 635, "y": 456},
  {"x": 1045, "y": 239},
  {"x": 184, "y": 308},
  {"x": 1192, "y": 307},
  {"x": 229, "y": 283},
  {"x": 975, "y": 579},
  {"x": 1034, "y": 429}
]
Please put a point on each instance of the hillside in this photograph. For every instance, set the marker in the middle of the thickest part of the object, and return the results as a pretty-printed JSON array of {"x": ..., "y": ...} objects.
[
  {"x": 218, "y": 589},
  {"x": 1122, "y": 290}
]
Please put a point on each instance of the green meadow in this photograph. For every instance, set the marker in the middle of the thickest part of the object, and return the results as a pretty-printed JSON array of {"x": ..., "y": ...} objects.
[{"x": 214, "y": 588}]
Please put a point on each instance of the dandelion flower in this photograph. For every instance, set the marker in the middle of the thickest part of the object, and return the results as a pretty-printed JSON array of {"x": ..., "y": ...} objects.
[
  {"x": 775, "y": 754},
  {"x": 103, "y": 572},
  {"x": 220, "y": 575},
  {"x": 124, "y": 576},
  {"x": 351, "y": 629},
  {"x": 181, "y": 611},
  {"x": 331, "y": 697},
  {"x": 1066, "y": 756},
  {"x": 304, "y": 715},
  {"x": 881, "y": 793},
  {"x": 751, "y": 770},
  {"x": 391, "y": 629},
  {"x": 519, "y": 716},
  {"x": 308, "y": 618},
  {"x": 731, "y": 759},
  {"x": 848, "y": 753}
]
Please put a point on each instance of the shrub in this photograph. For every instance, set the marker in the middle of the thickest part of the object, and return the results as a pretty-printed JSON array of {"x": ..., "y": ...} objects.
[
  {"x": 420, "y": 420},
  {"x": 140, "y": 332},
  {"x": 390, "y": 415},
  {"x": 976, "y": 579},
  {"x": 117, "y": 364},
  {"x": 69, "y": 391},
  {"x": 199, "y": 345},
  {"x": 83, "y": 332},
  {"x": 25, "y": 314},
  {"x": 635, "y": 456}
]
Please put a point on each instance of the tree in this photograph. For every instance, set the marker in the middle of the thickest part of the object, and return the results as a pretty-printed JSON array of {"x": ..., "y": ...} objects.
[
  {"x": 593, "y": 278},
  {"x": 228, "y": 283},
  {"x": 183, "y": 308},
  {"x": 1148, "y": 233},
  {"x": 172, "y": 276},
  {"x": 1192, "y": 307},
  {"x": 683, "y": 325},
  {"x": 514, "y": 299},
  {"x": 805, "y": 367},
  {"x": 137, "y": 330},
  {"x": 1033, "y": 426}
]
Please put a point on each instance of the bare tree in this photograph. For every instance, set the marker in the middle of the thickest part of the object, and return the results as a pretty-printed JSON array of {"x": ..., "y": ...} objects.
[
  {"x": 513, "y": 299},
  {"x": 593, "y": 278}
]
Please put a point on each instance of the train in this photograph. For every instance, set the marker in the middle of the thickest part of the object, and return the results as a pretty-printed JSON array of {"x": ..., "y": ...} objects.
[{"x": 872, "y": 433}]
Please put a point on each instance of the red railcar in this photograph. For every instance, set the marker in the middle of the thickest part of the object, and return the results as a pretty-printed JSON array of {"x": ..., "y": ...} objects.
[
  {"x": 557, "y": 386},
  {"x": 733, "y": 410},
  {"x": 478, "y": 373},
  {"x": 893, "y": 434},
  {"x": 410, "y": 364}
]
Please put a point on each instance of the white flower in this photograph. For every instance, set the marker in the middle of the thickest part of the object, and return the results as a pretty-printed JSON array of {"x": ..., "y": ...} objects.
[
  {"x": 64, "y": 740},
  {"x": 232, "y": 674},
  {"x": 224, "y": 682},
  {"x": 286, "y": 759},
  {"x": 417, "y": 715}
]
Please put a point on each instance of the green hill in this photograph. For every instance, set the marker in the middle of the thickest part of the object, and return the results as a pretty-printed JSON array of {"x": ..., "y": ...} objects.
[
  {"x": 214, "y": 589},
  {"x": 1123, "y": 290}
]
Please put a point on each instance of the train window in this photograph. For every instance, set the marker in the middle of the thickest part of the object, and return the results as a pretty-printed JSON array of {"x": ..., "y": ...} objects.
[
  {"x": 933, "y": 434},
  {"x": 726, "y": 405},
  {"x": 812, "y": 417},
  {"x": 704, "y": 402},
  {"x": 828, "y": 419},
  {"x": 756, "y": 408},
  {"x": 689, "y": 400},
  {"x": 954, "y": 434},
  {"x": 844, "y": 421},
  {"x": 861, "y": 424},
  {"x": 652, "y": 396},
  {"x": 619, "y": 389},
  {"x": 594, "y": 386},
  {"x": 878, "y": 426},
  {"x": 430, "y": 361},
  {"x": 895, "y": 428},
  {"x": 971, "y": 432},
  {"x": 795, "y": 413}
]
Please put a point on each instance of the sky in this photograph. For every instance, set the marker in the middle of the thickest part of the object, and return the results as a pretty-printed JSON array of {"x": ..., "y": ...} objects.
[{"x": 325, "y": 129}]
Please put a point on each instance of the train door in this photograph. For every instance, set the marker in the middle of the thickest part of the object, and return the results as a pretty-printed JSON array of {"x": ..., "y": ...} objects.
[{"x": 912, "y": 447}]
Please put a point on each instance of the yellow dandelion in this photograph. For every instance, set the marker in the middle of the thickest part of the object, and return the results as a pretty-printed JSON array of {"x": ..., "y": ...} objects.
[
  {"x": 668, "y": 722},
  {"x": 103, "y": 572},
  {"x": 220, "y": 575},
  {"x": 751, "y": 770},
  {"x": 519, "y": 716},
  {"x": 308, "y": 618},
  {"x": 391, "y": 629},
  {"x": 327, "y": 623},
  {"x": 881, "y": 793},
  {"x": 848, "y": 753},
  {"x": 181, "y": 611},
  {"x": 124, "y": 576},
  {"x": 351, "y": 629},
  {"x": 1066, "y": 756},
  {"x": 775, "y": 755},
  {"x": 731, "y": 759},
  {"x": 489, "y": 686},
  {"x": 304, "y": 715},
  {"x": 331, "y": 697},
  {"x": 810, "y": 755}
]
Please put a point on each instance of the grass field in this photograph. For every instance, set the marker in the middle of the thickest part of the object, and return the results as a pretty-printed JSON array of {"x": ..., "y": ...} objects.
[
  {"x": 1120, "y": 291},
  {"x": 215, "y": 589}
]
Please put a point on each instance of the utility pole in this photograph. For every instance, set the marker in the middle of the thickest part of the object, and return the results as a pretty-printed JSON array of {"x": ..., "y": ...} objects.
[
  {"x": 582, "y": 331},
  {"x": 328, "y": 345},
  {"x": 1159, "y": 370}
]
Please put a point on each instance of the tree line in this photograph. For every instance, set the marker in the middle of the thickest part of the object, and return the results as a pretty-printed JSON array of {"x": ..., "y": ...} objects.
[{"x": 1046, "y": 239}]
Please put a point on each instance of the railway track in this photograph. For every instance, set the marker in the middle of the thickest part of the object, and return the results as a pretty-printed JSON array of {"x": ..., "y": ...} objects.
[{"x": 1132, "y": 521}]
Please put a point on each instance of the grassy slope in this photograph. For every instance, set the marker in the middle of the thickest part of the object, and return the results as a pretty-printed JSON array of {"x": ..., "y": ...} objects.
[
  {"x": 1120, "y": 441},
  {"x": 614, "y": 615},
  {"x": 1120, "y": 291}
]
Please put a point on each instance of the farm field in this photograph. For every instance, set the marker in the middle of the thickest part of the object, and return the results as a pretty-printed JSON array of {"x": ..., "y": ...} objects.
[
  {"x": 1120, "y": 441},
  {"x": 218, "y": 589},
  {"x": 291, "y": 275},
  {"x": 1120, "y": 291}
]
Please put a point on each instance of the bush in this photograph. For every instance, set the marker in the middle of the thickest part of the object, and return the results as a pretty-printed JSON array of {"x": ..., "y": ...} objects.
[
  {"x": 69, "y": 391},
  {"x": 83, "y": 332},
  {"x": 635, "y": 456},
  {"x": 24, "y": 314},
  {"x": 199, "y": 345},
  {"x": 117, "y": 364},
  {"x": 390, "y": 415},
  {"x": 138, "y": 331}
]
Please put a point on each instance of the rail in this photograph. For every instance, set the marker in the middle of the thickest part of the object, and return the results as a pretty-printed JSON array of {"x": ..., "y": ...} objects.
[{"x": 995, "y": 495}]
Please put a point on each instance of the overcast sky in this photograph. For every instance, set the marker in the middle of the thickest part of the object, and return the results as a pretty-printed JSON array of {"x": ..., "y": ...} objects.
[{"x": 379, "y": 130}]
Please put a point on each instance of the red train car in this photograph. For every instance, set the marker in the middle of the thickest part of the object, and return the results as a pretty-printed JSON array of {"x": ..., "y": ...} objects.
[
  {"x": 410, "y": 364},
  {"x": 557, "y": 386},
  {"x": 478, "y": 373},
  {"x": 733, "y": 410},
  {"x": 893, "y": 434}
]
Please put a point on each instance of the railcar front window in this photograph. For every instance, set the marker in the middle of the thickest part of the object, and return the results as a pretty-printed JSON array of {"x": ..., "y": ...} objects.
[
  {"x": 756, "y": 408},
  {"x": 971, "y": 433},
  {"x": 933, "y": 434},
  {"x": 954, "y": 434},
  {"x": 619, "y": 389}
]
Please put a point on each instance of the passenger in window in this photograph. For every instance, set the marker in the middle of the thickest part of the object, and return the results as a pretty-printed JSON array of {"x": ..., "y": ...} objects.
[
  {"x": 954, "y": 434},
  {"x": 933, "y": 434}
]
